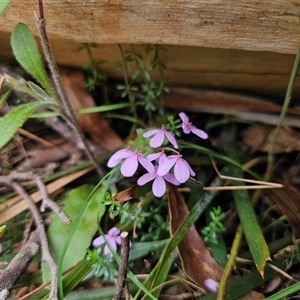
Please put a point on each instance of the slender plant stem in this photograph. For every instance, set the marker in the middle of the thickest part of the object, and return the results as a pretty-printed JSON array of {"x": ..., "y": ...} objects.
[
  {"x": 65, "y": 104},
  {"x": 230, "y": 264},
  {"x": 142, "y": 68},
  {"x": 285, "y": 106},
  {"x": 130, "y": 96}
]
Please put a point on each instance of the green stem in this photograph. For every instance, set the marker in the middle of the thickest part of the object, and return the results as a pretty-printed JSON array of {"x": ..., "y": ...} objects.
[
  {"x": 130, "y": 96},
  {"x": 230, "y": 264},
  {"x": 285, "y": 106}
]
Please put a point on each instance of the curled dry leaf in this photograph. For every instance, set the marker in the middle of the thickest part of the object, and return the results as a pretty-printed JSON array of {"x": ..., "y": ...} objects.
[
  {"x": 93, "y": 124},
  {"x": 197, "y": 262},
  {"x": 125, "y": 195},
  {"x": 260, "y": 138}
]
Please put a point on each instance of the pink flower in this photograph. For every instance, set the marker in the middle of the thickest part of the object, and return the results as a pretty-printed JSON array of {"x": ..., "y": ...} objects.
[
  {"x": 160, "y": 157},
  {"x": 159, "y": 184},
  {"x": 131, "y": 160},
  {"x": 112, "y": 237},
  {"x": 159, "y": 136},
  {"x": 188, "y": 127},
  {"x": 182, "y": 169},
  {"x": 211, "y": 285}
]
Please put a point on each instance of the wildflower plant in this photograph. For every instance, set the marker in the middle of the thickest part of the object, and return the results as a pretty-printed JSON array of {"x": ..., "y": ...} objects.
[
  {"x": 138, "y": 68},
  {"x": 215, "y": 227},
  {"x": 160, "y": 167},
  {"x": 104, "y": 265}
]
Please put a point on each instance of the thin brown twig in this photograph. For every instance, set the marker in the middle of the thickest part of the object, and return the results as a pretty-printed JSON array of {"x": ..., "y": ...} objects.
[
  {"x": 43, "y": 238},
  {"x": 47, "y": 202},
  {"x": 123, "y": 265},
  {"x": 46, "y": 255},
  {"x": 66, "y": 108}
]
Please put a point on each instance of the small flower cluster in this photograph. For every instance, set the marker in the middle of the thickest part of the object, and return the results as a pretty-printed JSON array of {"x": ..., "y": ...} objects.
[
  {"x": 112, "y": 237},
  {"x": 159, "y": 172}
]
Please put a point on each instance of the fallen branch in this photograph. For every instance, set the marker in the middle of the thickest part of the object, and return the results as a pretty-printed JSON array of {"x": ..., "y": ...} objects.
[
  {"x": 10, "y": 180},
  {"x": 17, "y": 267}
]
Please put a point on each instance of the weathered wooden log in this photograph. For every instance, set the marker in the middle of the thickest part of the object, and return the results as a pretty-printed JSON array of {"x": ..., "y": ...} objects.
[{"x": 242, "y": 45}]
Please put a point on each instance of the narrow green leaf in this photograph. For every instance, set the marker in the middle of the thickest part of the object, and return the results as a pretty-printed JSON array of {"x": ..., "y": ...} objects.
[
  {"x": 73, "y": 278},
  {"x": 3, "y": 6},
  {"x": 5, "y": 95},
  {"x": 40, "y": 94},
  {"x": 27, "y": 54},
  {"x": 85, "y": 231},
  {"x": 252, "y": 231},
  {"x": 86, "y": 110},
  {"x": 13, "y": 120},
  {"x": 154, "y": 277},
  {"x": 76, "y": 223},
  {"x": 141, "y": 249}
]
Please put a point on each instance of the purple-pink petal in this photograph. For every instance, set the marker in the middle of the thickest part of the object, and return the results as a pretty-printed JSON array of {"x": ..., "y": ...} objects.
[
  {"x": 158, "y": 186},
  {"x": 113, "y": 231},
  {"x": 98, "y": 241},
  {"x": 146, "y": 163},
  {"x": 150, "y": 133},
  {"x": 129, "y": 166},
  {"x": 171, "y": 137},
  {"x": 146, "y": 178},
  {"x": 154, "y": 156},
  {"x": 171, "y": 178},
  {"x": 157, "y": 139},
  {"x": 107, "y": 251},
  {"x": 184, "y": 118},
  {"x": 181, "y": 171},
  {"x": 186, "y": 128},
  {"x": 211, "y": 284},
  {"x": 118, "y": 156},
  {"x": 165, "y": 167},
  {"x": 192, "y": 173},
  {"x": 118, "y": 240},
  {"x": 202, "y": 134}
]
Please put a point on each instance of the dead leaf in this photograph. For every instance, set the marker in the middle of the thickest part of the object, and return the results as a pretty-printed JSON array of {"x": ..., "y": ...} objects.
[
  {"x": 93, "y": 124},
  {"x": 232, "y": 104},
  {"x": 260, "y": 138},
  {"x": 288, "y": 204},
  {"x": 197, "y": 262},
  {"x": 125, "y": 195}
]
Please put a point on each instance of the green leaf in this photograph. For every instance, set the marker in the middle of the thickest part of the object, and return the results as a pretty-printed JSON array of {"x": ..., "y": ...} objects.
[
  {"x": 40, "y": 94},
  {"x": 253, "y": 234},
  {"x": 3, "y": 6},
  {"x": 13, "y": 120},
  {"x": 156, "y": 275},
  {"x": 27, "y": 54},
  {"x": 5, "y": 95},
  {"x": 81, "y": 240},
  {"x": 141, "y": 249}
]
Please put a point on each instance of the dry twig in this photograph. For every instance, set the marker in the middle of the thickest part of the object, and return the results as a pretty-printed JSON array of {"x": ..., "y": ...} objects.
[
  {"x": 11, "y": 180},
  {"x": 123, "y": 266}
]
